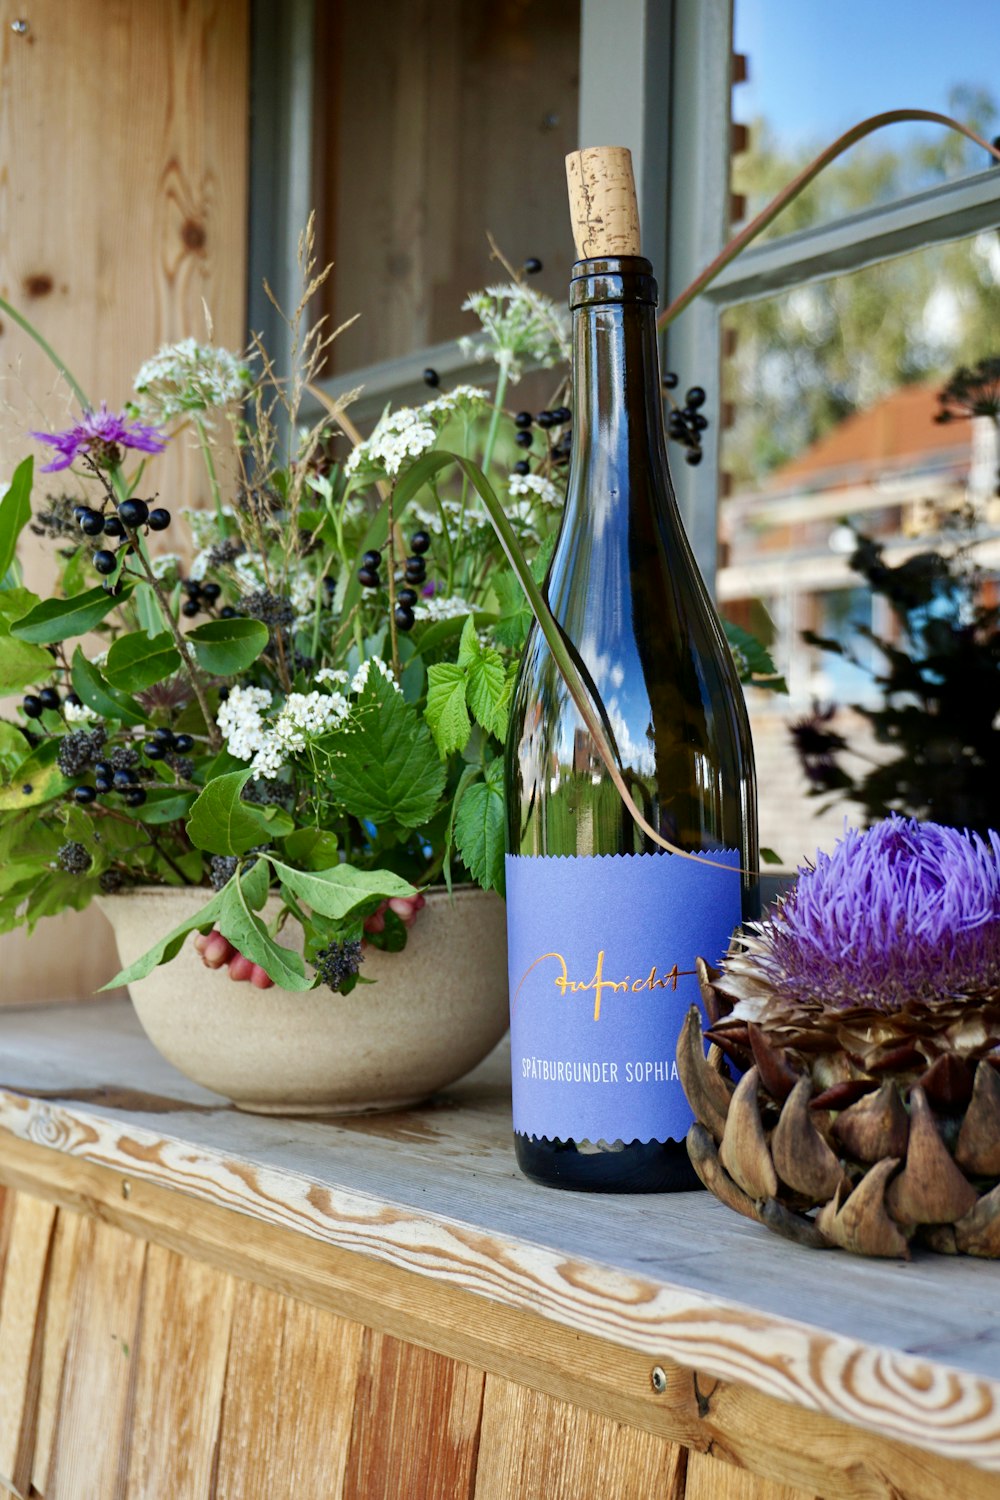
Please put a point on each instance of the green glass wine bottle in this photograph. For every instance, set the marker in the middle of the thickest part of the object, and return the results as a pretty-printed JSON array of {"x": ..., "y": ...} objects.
[{"x": 604, "y": 925}]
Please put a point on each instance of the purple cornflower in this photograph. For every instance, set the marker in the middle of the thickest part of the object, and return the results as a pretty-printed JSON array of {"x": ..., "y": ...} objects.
[
  {"x": 903, "y": 911},
  {"x": 101, "y": 434}
]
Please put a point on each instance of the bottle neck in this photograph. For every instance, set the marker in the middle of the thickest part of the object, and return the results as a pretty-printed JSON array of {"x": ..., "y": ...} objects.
[{"x": 618, "y": 457}]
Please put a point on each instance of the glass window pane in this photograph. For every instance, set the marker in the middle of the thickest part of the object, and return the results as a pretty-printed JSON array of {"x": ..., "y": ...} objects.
[
  {"x": 437, "y": 121},
  {"x": 815, "y": 70},
  {"x": 830, "y": 430}
]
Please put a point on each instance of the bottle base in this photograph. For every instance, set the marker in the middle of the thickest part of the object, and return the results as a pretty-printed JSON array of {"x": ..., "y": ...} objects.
[{"x": 641, "y": 1167}]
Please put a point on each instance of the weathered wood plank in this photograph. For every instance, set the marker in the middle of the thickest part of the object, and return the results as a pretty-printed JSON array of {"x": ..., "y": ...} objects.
[
  {"x": 416, "y": 1424},
  {"x": 710, "y": 1479},
  {"x": 71, "y": 1246},
  {"x": 182, "y": 1351},
  {"x": 22, "y": 1321},
  {"x": 90, "y": 1454},
  {"x": 532, "y": 1445},
  {"x": 289, "y": 1399}
]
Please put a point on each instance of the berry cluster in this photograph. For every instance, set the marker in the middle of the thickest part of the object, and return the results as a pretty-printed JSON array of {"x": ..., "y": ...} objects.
[
  {"x": 121, "y": 772},
  {"x": 555, "y": 417},
  {"x": 413, "y": 576},
  {"x": 686, "y": 423},
  {"x": 338, "y": 963},
  {"x": 129, "y": 516},
  {"x": 203, "y": 598}
]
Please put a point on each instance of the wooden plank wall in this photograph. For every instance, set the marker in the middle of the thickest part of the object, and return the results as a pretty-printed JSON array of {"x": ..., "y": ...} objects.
[
  {"x": 129, "y": 1370},
  {"x": 123, "y": 208}
]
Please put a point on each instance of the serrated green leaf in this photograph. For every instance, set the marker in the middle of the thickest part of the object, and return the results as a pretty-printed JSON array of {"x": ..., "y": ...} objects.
[
  {"x": 338, "y": 891},
  {"x": 479, "y": 829},
  {"x": 98, "y": 694},
  {"x": 219, "y": 822},
  {"x": 469, "y": 648},
  {"x": 753, "y": 660},
  {"x": 136, "y": 661},
  {"x": 15, "y": 512},
  {"x": 224, "y": 647},
  {"x": 514, "y": 622},
  {"x": 387, "y": 768},
  {"x": 168, "y": 947},
  {"x": 58, "y": 619},
  {"x": 246, "y": 931},
  {"x": 22, "y": 664},
  {"x": 445, "y": 711},
  {"x": 489, "y": 691}
]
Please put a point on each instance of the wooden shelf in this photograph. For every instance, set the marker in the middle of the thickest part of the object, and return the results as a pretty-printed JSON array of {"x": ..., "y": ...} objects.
[{"x": 419, "y": 1225}]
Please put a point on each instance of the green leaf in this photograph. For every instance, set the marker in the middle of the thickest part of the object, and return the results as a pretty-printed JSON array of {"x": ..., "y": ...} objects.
[
  {"x": 136, "y": 661},
  {"x": 274, "y": 822},
  {"x": 225, "y": 647},
  {"x": 147, "y": 607},
  {"x": 489, "y": 692},
  {"x": 769, "y": 857},
  {"x": 168, "y": 947},
  {"x": 338, "y": 891},
  {"x": 445, "y": 711},
  {"x": 311, "y": 848},
  {"x": 753, "y": 660},
  {"x": 22, "y": 664},
  {"x": 57, "y": 619},
  {"x": 219, "y": 821},
  {"x": 479, "y": 829},
  {"x": 15, "y": 603},
  {"x": 99, "y": 695},
  {"x": 36, "y": 779},
  {"x": 163, "y": 805},
  {"x": 468, "y": 647},
  {"x": 388, "y": 769},
  {"x": 13, "y": 747},
  {"x": 511, "y": 629},
  {"x": 15, "y": 512},
  {"x": 247, "y": 932}
]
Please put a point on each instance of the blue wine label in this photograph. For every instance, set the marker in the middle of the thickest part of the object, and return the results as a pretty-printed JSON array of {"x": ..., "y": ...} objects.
[{"x": 602, "y": 953}]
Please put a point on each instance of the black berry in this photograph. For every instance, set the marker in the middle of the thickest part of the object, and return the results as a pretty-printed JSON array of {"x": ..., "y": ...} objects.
[
  {"x": 102, "y": 784},
  {"x": 134, "y": 512},
  {"x": 105, "y": 769},
  {"x": 368, "y": 578},
  {"x": 420, "y": 542},
  {"x": 522, "y": 466},
  {"x": 371, "y": 559},
  {"x": 154, "y": 749},
  {"x": 191, "y": 586},
  {"x": 159, "y": 519},
  {"x": 523, "y": 419},
  {"x": 431, "y": 377},
  {"x": 32, "y": 706},
  {"x": 404, "y": 617},
  {"x": 700, "y": 422},
  {"x": 123, "y": 779},
  {"x": 523, "y": 439},
  {"x": 532, "y": 265},
  {"x": 183, "y": 743},
  {"x": 135, "y": 796},
  {"x": 408, "y": 597},
  {"x": 670, "y": 381},
  {"x": 227, "y": 612},
  {"x": 49, "y": 698},
  {"x": 695, "y": 397},
  {"x": 546, "y": 419},
  {"x": 693, "y": 456},
  {"x": 85, "y": 794},
  {"x": 91, "y": 521},
  {"x": 104, "y": 561},
  {"x": 211, "y": 591},
  {"x": 190, "y": 608},
  {"x": 113, "y": 526},
  {"x": 563, "y": 415},
  {"x": 415, "y": 570}
]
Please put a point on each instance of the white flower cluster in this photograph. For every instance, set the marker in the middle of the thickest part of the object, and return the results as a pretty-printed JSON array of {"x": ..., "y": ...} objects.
[
  {"x": 411, "y": 431},
  {"x": 332, "y": 675},
  {"x": 303, "y": 716},
  {"x": 447, "y": 607},
  {"x": 361, "y": 675},
  {"x": 78, "y": 713},
  {"x": 535, "y": 484},
  {"x": 519, "y": 325},
  {"x": 166, "y": 567},
  {"x": 204, "y": 524},
  {"x": 190, "y": 377}
]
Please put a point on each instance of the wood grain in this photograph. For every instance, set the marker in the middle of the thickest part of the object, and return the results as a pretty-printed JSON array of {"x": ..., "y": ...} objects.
[
  {"x": 392, "y": 1455},
  {"x": 182, "y": 1350},
  {"x": 534, "y": 1448},
  {"x": 71, "y": 1246},
  {"x": 123, "y": 208},
  {"x": 21, "y": 1329},
  {"x": 710, "y": 1479}
]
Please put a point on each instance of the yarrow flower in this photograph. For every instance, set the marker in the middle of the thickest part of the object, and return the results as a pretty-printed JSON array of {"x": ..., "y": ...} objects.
[
  {"x": 448, "y": 607},
  {"x": 411, "y": 431},
  {"x": 376, "y": 664},
  {"x": 268, "y": 743},
  {"x": 519, "y": 325},
  {"x": 191, "y": 377},
  {"x": 902, "y": 911},
  {"x": 535, "y": 485},
  {"x": 101, "y": 435}
]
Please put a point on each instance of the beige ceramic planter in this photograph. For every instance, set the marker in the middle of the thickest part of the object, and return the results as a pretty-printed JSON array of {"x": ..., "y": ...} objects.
[{"x": 435, "y": 1010}]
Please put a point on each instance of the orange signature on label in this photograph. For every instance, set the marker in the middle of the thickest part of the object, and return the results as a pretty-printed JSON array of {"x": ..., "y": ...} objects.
[{"x": 566, "y": 986}]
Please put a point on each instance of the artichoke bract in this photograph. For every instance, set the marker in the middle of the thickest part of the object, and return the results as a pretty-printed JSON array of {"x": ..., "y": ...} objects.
[{"x": 862, "y": 1019}]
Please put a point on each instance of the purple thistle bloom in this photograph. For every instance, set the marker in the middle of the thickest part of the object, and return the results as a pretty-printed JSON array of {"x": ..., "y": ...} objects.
[
  {"x": 99, "y": 433},
  {"x": 900, "y": 912}
]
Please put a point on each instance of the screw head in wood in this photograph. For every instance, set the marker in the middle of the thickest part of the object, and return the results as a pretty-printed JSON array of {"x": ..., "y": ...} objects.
[
  {"x": 126, "y": 1190},
  {"x": 20, "y": 27},
  {"x": 658, "y": 1379}
]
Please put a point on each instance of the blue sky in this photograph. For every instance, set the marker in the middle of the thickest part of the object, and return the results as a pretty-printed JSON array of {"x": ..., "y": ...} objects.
[{"x": 817, "y": 66}]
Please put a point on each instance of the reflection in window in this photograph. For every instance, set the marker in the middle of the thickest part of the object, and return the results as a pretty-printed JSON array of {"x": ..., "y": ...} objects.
[
  {"x": 437, "y": 121},
  {"x": 815, "y": 70}
]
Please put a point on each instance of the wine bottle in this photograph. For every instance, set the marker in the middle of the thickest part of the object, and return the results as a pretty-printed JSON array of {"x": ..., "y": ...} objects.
[{"x": 604, "y": 925}]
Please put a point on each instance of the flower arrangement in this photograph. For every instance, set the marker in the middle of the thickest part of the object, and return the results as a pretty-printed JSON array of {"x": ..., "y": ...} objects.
[
  {"x": 315, "y": 704},
  {"x": 864, "y": 1016}
]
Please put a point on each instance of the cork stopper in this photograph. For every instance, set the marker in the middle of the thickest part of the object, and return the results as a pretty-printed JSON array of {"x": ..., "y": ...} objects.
[{"x": 602, "y": 202}]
